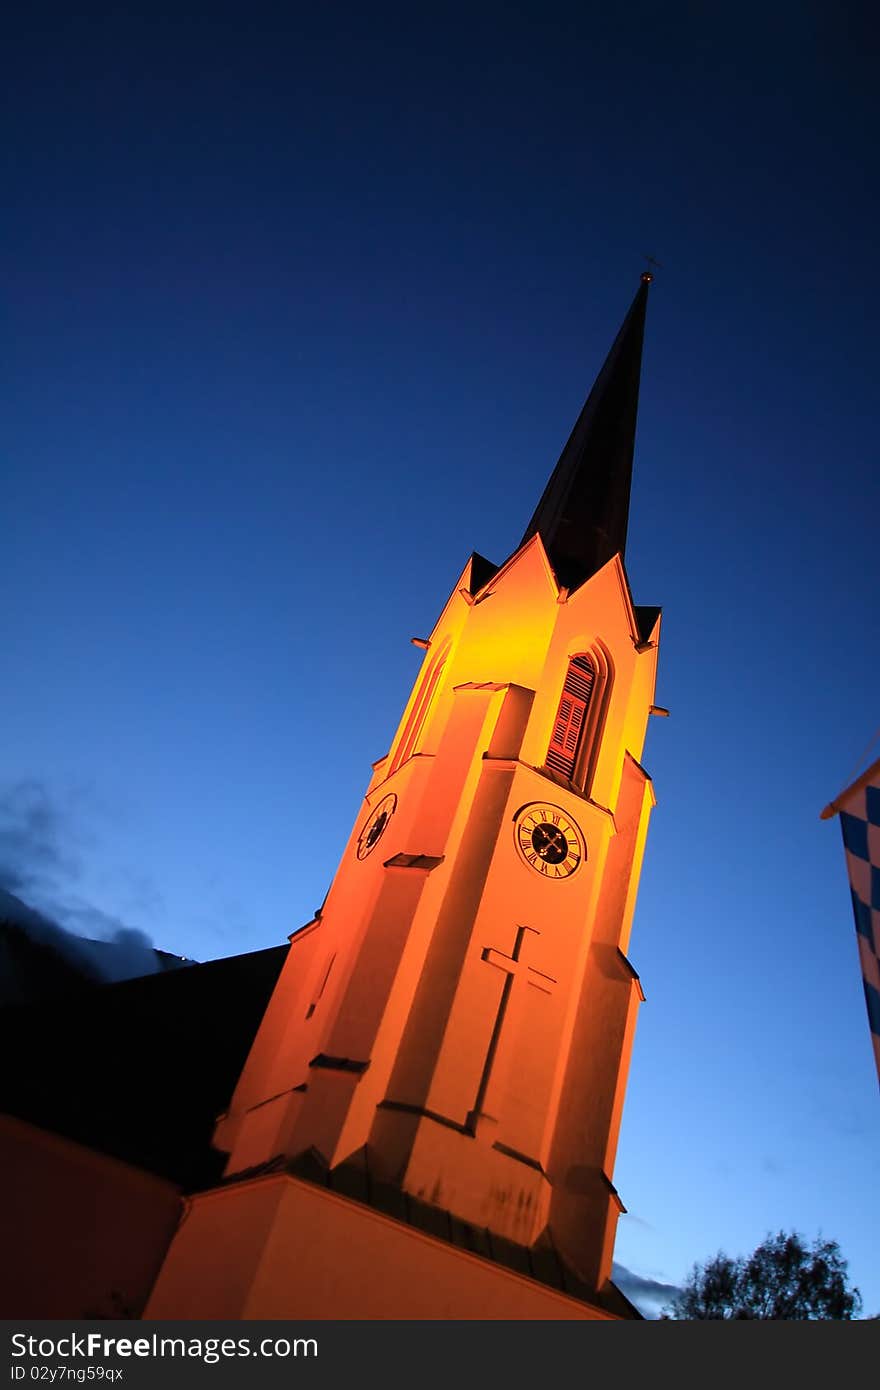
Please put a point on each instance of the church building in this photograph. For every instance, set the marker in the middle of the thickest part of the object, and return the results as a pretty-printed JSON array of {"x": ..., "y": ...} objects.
[{"x": 426, "y": 1121}]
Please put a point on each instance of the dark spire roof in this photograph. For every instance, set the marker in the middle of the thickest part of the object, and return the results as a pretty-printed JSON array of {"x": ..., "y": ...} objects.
[{"x": 582, "y": 516}]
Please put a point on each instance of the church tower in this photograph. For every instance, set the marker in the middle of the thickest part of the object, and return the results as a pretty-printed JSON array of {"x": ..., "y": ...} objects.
[{"x": 427, "y": 1122}]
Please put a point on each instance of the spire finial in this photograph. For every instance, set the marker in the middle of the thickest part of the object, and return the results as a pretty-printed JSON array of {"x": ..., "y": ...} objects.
[{"x": 648, "y": 275}]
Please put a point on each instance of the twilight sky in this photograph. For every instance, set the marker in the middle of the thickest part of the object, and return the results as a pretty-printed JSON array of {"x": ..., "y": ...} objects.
[{"x": 302, "y": 302}]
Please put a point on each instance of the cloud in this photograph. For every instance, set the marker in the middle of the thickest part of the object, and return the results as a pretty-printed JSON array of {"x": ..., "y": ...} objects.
[
  {"x": 649, "y": 1295},
  {"x": 119, "y": 953},
  {"x": 39, "y": 860},
  {"x": 632, "y": 1220},
  {"x": 84, "y": 919},
  {"x": 33, "y": 853}
]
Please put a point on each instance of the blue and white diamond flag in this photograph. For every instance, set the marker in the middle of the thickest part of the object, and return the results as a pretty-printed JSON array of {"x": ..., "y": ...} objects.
[{"x": 859, "y": 808}]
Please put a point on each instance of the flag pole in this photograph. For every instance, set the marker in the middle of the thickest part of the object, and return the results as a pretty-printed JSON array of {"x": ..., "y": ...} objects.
[{"x": 834, "y": 806}]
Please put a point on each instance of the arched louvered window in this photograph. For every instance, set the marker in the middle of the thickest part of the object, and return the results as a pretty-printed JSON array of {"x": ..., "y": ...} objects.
[{"x": 571, "y": 716}]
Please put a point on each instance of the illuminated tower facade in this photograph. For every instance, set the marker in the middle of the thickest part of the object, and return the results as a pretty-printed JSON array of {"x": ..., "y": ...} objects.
[{"x": 427, "y": 1122}]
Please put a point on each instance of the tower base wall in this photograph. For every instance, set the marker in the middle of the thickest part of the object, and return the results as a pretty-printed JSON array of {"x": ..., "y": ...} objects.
[
  {"x": 83, "y": 1234},
  {"x": 279, "y": 1247}
]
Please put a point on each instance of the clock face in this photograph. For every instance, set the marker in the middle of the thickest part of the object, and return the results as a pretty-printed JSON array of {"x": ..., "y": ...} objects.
[
  {"x": 376, "y": 825},
  {"x": 548, "y": 840}
]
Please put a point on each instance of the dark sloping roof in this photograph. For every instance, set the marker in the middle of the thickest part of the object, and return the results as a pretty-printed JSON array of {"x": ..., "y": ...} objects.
[
  {"x": 140, "y": 1069},
  {"x": 646, "y": 617},
  {"x": 583, "y": 514},
  {"x": 482, "y": 571}
]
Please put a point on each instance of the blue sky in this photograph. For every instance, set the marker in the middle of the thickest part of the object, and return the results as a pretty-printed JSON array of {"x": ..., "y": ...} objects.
[{"x": 301, "y": 305}]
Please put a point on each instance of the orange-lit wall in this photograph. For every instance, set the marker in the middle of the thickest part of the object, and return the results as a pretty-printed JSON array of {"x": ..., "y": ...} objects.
[{"x": 83, "y": 1235}]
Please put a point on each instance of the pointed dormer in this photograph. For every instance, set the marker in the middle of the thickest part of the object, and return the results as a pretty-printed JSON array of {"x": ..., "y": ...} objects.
[{"x": 582, "y": 516}]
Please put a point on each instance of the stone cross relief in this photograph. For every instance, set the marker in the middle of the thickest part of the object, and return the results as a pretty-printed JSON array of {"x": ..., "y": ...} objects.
[{"x": 506, "y": 1038}]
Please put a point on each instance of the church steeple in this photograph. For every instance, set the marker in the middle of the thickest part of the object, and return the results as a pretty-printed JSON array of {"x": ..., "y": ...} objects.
[
  {"x": 433, "y": 1098},
  {"x": 582, "y": 516}
]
